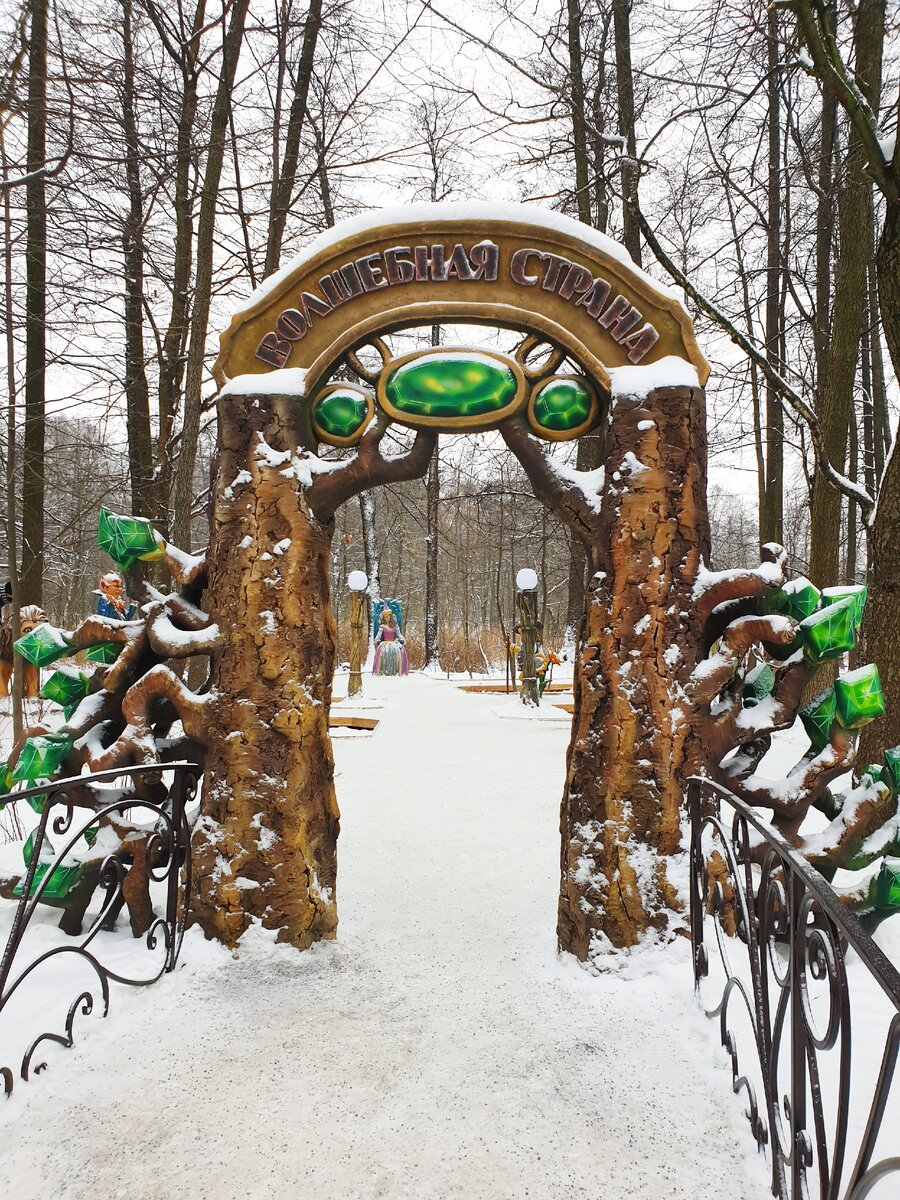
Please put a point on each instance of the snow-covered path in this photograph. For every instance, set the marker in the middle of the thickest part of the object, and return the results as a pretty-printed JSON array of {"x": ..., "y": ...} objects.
[{"x": 438, "y": 1049}]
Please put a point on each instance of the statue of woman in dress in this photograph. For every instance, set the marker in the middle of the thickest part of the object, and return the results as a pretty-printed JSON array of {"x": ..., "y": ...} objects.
[{"x": 390, "y": 650}]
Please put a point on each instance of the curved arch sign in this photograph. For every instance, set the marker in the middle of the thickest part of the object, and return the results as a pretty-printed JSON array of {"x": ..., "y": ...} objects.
[{"x": 513, "y": 266}]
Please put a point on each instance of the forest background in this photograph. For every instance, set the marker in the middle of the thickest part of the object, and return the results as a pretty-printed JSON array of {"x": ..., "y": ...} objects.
[{"x": 160, "y": 160}]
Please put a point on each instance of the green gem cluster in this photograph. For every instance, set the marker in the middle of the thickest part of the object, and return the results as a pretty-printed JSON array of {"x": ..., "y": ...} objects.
[
  {"x": 452, "y": 385},
  {"x": 562, "y": 405},
  {"x": 341, "y": 412}
]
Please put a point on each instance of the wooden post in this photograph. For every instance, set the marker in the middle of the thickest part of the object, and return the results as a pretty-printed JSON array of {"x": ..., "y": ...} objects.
[
  {"x": 527, "y": 603},
  {"x": 357, "y": 639}
]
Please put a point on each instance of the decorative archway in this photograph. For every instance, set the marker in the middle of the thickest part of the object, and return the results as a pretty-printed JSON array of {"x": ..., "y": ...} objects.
[{"x": 645, "y": 530}]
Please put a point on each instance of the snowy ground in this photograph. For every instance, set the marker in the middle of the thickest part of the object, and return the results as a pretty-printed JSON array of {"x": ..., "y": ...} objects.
[{"x": 438, "y": 1049}]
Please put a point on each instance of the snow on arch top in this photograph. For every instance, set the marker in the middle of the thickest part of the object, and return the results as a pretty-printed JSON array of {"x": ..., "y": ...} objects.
[{"x": 512, "y": 265}]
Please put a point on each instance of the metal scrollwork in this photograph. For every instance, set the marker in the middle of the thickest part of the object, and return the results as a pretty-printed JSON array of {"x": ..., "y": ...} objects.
[
  {"x": 133, "y": 850},
  {"x": 770, "y": 943}
]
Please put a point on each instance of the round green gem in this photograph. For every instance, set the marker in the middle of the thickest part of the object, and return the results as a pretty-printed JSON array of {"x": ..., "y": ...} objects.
[
  {"x": 341, "y": 412},
  {"x": 451, "y": 385},
  {"x": 561, "y": 405}
]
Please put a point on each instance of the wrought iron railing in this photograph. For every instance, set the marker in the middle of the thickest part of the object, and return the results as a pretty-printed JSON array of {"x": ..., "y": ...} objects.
[
  {"x": 817, "y": 1085},
  {"x": 131, "y": 851}
]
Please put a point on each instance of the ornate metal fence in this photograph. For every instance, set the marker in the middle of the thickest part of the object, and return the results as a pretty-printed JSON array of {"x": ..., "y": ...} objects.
[
  {"x": 817, "y": 1085},
  {"x": 131, "y": 851}
]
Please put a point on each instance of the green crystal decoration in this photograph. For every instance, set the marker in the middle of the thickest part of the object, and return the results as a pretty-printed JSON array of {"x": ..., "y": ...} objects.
[
  {"x": 127, "y": 539},
  {"x": 43, "y": 645},
  {"x": 871, "y": 775},
  {"x": 887, "y": 884},
  {"x": 66, "y": 687},
  {"x": 37, "y": 802},
  {"x": 817, "y": 718},
  {"x": 799, "y": 598},
  {"x": 103, "y": 652},
  {"x": 831, "y": 631},
  {"x": 41, "y": 756},
  {"x": 561, "y": 405},
  {"x": 451, "y": 384},
  {"x": 758, "y": 684},
  {"x": 890, "y": 772},
  {"x": 62, "y": 879},
  {"x": 858, "y": 697},
  {"x": 341, "y": 412},
  {"x": 30, "y": 847},
  {"x": 856, "y": 592}
]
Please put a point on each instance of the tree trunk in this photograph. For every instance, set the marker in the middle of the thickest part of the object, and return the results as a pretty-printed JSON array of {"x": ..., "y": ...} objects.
[
  {"x": 880, "y": 621},
  {"x": 837, "y": 397},
  {"x": 171, "y": 359},
  {"x": 184, "y": 473},
  {"x": 12, "y": 505},
  {"x": 771, "y": 522},
  {"x": 432, "y": 547},
  {"x": 631, "y": 232},
  {"x": 854, "y": 205},
  {"x": 137, "y": 392},
  {"x": 879, "y": 387},
  {"x": 577, "y": 110},
  {"x": 265, "y": 847},
  {"x": 849, "y": 573},
  {"x": 370, "y": 550},
  {"x": 824, "y": 237},
  {"x": 33, "y": 465},
  {"x": 631, "y": 747},
  {"x": 284, "y": 179},
  {"x": 432, "y": 531}
]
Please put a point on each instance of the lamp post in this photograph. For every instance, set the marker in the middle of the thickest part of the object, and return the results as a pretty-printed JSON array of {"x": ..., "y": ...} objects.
[
  {"x": 526, "y": 598},
  {"x": 357, "y": 582}
]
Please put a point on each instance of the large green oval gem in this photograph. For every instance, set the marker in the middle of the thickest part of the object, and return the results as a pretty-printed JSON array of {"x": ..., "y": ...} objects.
[
  {"x": 451, "y": 385},
  {"x": 561, "y": 405},
  {"x": 340, "y": 412}
]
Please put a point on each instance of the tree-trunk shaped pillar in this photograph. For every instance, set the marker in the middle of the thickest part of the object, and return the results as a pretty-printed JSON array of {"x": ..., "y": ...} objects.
[
  {"x": 267, "y": 843},
  {"x": 645, "y": 526},
  {"x": 358, "y": 632}
]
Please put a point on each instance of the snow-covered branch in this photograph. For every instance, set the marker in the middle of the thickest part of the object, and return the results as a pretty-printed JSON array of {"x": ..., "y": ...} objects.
[{"x": 137, "y": 743}]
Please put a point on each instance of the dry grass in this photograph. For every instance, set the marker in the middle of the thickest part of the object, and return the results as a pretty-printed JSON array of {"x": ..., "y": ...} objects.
[{"x": 474, "y": 653}]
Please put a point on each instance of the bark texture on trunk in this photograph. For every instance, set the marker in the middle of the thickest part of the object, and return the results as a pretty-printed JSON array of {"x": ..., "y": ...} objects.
[
  {"x": 881, "y": 613},
  {"x": 32, "y": 574},
  {"x": 632, "y": 744},
  {"x": 266, "y": 846}
]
